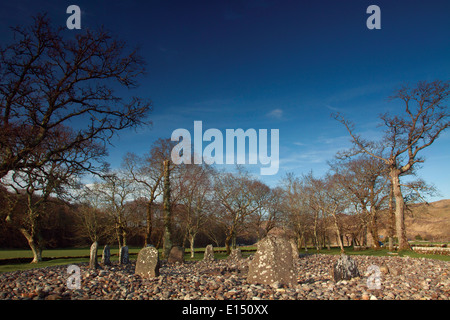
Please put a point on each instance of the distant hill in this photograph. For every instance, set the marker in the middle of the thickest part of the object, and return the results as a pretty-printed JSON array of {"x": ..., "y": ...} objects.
[{"x": 429, "y": 221}]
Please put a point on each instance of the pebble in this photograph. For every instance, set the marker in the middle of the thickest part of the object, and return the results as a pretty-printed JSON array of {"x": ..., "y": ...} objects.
[{"x": 419, "y": 279}]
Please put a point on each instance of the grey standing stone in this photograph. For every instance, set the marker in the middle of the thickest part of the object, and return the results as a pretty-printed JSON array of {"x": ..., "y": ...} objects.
[
  {"x": 124, "y": 258},
  {"x": 147, "y": 263},
  {"x": 209, "y": 253},
  {"x": 295, "y": 253},
  {"x": 384, "y": 269},
  {"x": 93, "y": 264},
  {"x": 235, "y": 255},
  {"x": 106, "y": 256},
  {"x": 176, "y": 254},
  {"x": 344, "y": 269},
  {"x": 273, "y": 262}
]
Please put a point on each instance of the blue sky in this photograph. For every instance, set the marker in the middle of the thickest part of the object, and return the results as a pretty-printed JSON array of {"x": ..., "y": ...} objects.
[{"x": 283, "y": 65}]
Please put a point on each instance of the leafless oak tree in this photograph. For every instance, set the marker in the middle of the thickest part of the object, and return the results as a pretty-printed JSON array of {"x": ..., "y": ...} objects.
[
  {"x": 239, "y": 197},
  {"x": 425, "y": 116},
  {"x": 116, "y": 191},
  {"x": 365, "y": 183},
  {"x": 196, "y": 199},
  {"x": 49, "y": 82},
  {"x": 39, "y": 184},
  {"x": 296, "y": 207},
  {"x": 147, "y": 172}
]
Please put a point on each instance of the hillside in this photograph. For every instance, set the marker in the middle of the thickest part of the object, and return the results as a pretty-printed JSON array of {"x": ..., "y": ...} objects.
[{"x": 431, "y": 222}]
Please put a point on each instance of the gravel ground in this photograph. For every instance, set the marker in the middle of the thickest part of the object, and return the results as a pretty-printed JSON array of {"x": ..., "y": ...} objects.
[{"x": 400, "y": 278}]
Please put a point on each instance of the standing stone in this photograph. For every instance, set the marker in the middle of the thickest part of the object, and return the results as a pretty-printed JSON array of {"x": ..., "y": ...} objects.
[
  {"x": 147, "y": 263},
  {"x": 384, "y": 269},
  {"x": 176, "y": 254},
  {"x": 344, "y": 269},
  {"x": 272, "y": 262},
  {"x": 93, "y": 264},
  {"x": 106, "y": 256},
  {"x": 124, "y": 258},
  {"x": 295, "y": 253},
  {"x": 209, "y": 253},
  {"x": 235, "y": 255}
]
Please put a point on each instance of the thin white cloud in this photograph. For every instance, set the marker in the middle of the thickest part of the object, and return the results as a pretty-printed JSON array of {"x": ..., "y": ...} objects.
[
  {"x": 333, "y": 108},
  {"x": 275, "y": 113}
]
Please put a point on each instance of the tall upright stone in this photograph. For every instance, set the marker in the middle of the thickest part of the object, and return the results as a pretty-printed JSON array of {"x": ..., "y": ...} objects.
[
  {"x": 176, "y": 254},
  {"x": 147, "y": 263},
  {"x": 209, "y": 253},
  {"x": 235, "y": 255},
  {"x": 295, "y": 253},
  {"x": 124, "y": 257},
  {"x": 93, "y": 263},
  {"x": 273, "y": 262},
  {"x": 106, "y": 256},
  {"x": 344, "y": 269}
]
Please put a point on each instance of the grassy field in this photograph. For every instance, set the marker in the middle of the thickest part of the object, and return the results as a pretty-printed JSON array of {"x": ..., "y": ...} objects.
[
  {"x": 381, "y": 252},
  {"x": 78, "y": 255},
  {"x": 68, "y": 256}
]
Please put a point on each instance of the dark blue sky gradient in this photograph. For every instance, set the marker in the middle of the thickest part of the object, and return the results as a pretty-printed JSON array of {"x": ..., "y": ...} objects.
[{"x": 272, "y": 65}]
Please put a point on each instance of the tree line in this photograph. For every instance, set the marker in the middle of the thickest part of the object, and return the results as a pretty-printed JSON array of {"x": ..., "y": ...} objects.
[{"x": 60, "y": 110}]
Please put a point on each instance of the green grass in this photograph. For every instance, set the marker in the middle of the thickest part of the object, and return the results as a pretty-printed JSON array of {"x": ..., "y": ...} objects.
[
  {"x": 55, "y": 253},
  {"x": 379, "y": 253},
  {"x": 78, "y": 255},
  {"x": 426, "y": 242},
  {"x": 58, "y": 257},
  {"x": 28, "y": 266}
]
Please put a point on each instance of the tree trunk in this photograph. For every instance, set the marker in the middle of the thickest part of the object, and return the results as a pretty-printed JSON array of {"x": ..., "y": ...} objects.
[
  {"x": 33, "y": 242},
  {"x": 374, "y": 231},
  {"x": 191, "y": 241},
  {"x": 119, "y": 236},
  {"x": 167, "y": 212},
  {"x": 124, "y": 236},
  {"x": 338, "y": 232},
  {"x": 316, "y": 240},
  {"x": 149, "y": 227},
  {"x": 364, "y": 237},
  {"x": 299, "y": 241},
  {"x": 391, "y": 227},
  {"x": 227, "y": 242},
  {"x": 399, "y": 211},
  {"x": 233, "y": 241}
]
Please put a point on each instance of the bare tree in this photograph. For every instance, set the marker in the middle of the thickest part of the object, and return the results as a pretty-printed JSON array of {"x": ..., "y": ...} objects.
[
  {"x": 268, "y": 201},
  {"x": 318, "y": 215},
  {"x": 116, "y": 191},
  {"x": 365, "y": 183},
  {"x": 424, "y": 118},
  {"x": 49, "y": 83},
  {"x": 148, "y": 171},
  {"x": 328, "y": 199},
  {"x": 56, "y": 178},
  {"x": 38, "y": 185},
  {"x": 93, "y": 223},
  {"x": 296, "y": 207},
  {"x": 237, "y": 194},
  {"x": 195, "y": 199}
]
